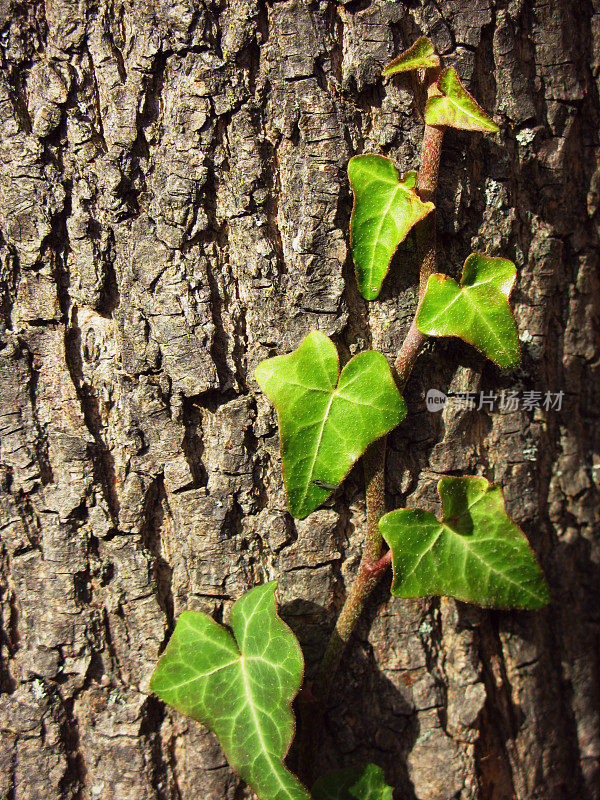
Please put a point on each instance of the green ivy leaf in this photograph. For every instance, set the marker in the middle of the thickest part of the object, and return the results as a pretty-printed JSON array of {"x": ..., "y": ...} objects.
[
  {"x": 356, "y": 783},
  {"x": 475, "y": 552},
  {"x": 385, "y": 209},
  {"x": 420, "y": 56},
  {"x": 241, "y": 688},
  {"x": 456, "y": 107},
  {"x": 477, "y": 310},
  {"x": 324, "y": 427}
]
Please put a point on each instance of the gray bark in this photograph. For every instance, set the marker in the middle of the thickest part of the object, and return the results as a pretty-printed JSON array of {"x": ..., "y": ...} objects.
[{"x": 174, "y": 208}]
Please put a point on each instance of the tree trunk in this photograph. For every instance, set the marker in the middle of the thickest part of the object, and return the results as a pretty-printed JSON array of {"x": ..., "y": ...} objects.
[{"x": 174, "y": 209}]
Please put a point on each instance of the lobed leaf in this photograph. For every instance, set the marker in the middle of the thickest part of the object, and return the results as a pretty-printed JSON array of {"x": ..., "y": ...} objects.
[
  {"x": 475, "y": 552},
  {"x": 476, "y": 310},
  {"x": 241, "y": 688},
  {"x": 326, "y": 424},
  {"x": 356, "y": 783},
  {"x": 456, "y": 107},
  {"x": 385, "y": 209},
  {"x": 420, "y": 56}
]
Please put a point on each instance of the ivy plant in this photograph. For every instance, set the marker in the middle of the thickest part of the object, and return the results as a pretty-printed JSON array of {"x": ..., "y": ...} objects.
[
  {"x": 241, "y": 683},
  {"x": 475, "y": 552},
  {"x": 386, "y": 207},
  {"x": 476, "y": 309},
  {"x": 356, "y": 783},
  {"x": 327, "y": 419}
]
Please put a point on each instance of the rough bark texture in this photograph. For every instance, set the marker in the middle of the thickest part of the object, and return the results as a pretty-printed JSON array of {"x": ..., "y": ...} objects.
[{"x": 174, "y": 208}]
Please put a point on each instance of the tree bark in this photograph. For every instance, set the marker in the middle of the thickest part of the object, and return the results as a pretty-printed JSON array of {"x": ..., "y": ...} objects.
[{"x": 174, "y": 208}]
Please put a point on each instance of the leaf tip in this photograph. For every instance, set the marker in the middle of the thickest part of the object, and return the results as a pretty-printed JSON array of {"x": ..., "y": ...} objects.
[
  {"x": 259, "y": 373},
  {"x": 421, "y": 55},
  {"x": 369, "y": 292},
  {"x": 455, "y": 107},
  {"x": 514, "y": 363}
]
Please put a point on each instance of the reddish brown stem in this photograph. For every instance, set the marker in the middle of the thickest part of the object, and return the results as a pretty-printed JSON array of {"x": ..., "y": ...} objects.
[
  {"x": 426, "y": 244},
  {"x": 411, "y": 347},
  {"x": 374, "y": 469},
  {"x": 374, "y": 459},
  {"x": 429, "y": 170},
  {"x": 373, "y": 565},
  {"x": 367, "y": 577}
]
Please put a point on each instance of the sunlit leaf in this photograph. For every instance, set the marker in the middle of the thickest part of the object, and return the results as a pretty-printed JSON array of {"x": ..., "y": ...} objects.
[
  {"x": 325, "y": 425},
  {"x": 385, "y": 209},
  {"x": 356, "y": 783},
  {"x": 240, "y": 687},
  {"x": 475, "y": 552},
  {"x": 456, "y": 107},
  {"x": 420, "y": 56},
  {"x": 476, "y": 310}
]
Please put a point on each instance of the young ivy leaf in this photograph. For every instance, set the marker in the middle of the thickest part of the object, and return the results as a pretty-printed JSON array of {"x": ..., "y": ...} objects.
[
  {"x": 241, "y": 688},
  {"x": 325, "y": 425},
  {"x": 356, "y": 783},
  {"x": 475, "y": 552},
  {"x": 476, "y": 310},
  {"x": 420, "y": 56},
  {"x": 456, "y": 107},
  {"x": 385, "y": 209}
]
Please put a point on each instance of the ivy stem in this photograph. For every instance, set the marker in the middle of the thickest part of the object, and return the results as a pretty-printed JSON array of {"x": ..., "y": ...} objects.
[
  {"x": 425, "y": 232},
  {"x": 411, "y": 347},
  {"x": 427, "y": 181},
  {"x": 373, "y": 565},
  {"x": 367, "y": 577},
  {"x": 374, "y": 459},
  {"x": 426, "y": 189}
]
